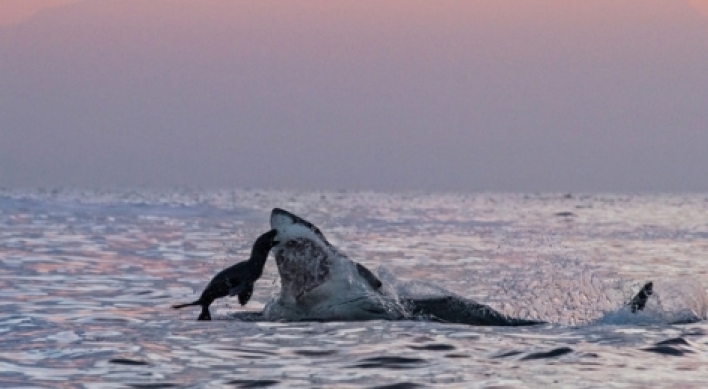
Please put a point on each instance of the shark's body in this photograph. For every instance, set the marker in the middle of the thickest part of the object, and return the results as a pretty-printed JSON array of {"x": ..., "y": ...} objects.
[{"x": 318, "y": 282}]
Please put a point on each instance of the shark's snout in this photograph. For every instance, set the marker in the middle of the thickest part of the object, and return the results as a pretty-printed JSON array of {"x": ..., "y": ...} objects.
[{"x": 281, "y": 219}]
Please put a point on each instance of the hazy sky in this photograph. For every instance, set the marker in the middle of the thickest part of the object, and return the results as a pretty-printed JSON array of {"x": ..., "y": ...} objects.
[{"x": 489, "y": 95}]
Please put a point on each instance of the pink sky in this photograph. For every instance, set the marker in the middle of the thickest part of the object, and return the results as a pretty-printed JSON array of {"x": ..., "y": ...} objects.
[
  {"x": 539, "y": 95},
  {"x": 17, "y": 11}
]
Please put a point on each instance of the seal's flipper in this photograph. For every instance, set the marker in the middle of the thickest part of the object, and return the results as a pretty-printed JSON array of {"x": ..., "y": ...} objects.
[
  {"x": 369, "y": 276},
  {"x": 245, "y": 295},
  {"x": 205, "y": 315},
  {"x": 238, "y": 289},
  {"x": 453, "y": 309},
  {"x": 639, "y": 301}
]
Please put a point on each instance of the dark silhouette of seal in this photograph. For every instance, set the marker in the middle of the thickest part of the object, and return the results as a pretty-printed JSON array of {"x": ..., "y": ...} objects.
[
  {"x": 639, "y": 301},
  {"x": 237, "y": 279}
]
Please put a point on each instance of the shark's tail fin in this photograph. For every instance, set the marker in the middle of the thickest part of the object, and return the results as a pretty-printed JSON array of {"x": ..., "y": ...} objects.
[{"x": 640, "y": 300}]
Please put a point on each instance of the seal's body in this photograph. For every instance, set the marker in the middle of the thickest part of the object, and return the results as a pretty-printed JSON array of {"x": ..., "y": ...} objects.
[{"x": 236, "y": 280}]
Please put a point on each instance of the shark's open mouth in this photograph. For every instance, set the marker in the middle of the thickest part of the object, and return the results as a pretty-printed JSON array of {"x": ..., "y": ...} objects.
[{"x": 303, "y": 265}]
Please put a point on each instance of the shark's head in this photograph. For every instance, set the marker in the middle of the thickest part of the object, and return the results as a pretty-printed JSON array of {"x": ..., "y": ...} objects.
[
  {"x": 282, "y": 220},
  {"x": 317, "y": 280}
]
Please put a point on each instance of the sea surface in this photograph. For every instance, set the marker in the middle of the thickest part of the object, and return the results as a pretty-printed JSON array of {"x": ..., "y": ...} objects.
[{"x": 87, "y": 278}]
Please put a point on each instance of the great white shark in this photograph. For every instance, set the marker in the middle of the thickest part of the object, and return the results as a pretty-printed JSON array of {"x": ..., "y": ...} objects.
[{"x": 319, "y": 282}]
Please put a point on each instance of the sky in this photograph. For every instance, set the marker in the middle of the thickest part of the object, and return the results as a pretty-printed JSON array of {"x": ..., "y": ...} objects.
[{"x": 451, "y": 95}]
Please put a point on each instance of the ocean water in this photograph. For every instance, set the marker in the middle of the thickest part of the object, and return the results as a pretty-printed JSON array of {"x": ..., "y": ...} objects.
[{"x": 87, "y": 279}]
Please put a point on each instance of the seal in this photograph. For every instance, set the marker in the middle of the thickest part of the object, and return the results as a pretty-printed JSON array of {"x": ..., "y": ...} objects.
[
  {"x": 237, "y": 279},
  {"x": 319, "y": 282}
]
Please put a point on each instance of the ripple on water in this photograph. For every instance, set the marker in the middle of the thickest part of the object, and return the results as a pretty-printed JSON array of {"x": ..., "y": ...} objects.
[
  {"x": 253, "y": 383},
  {"x": 126, "y": 361},
  {"x": 315, "y": 353},
  {"x": 674, "y": 341},
  {"x": 434, "y": 347},
  {"x": 390, "y": 363},
  {"x": 399, "y": 385},
  {"x": 508, "y": 354},
  {"x": 555, "y": 353},
  {"x": 667, "y": 350}
]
